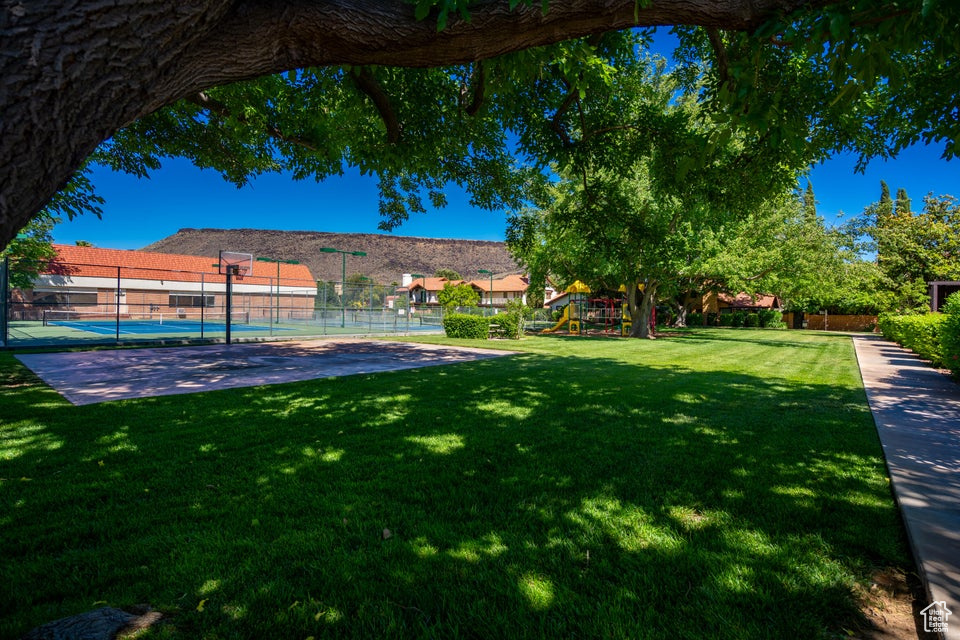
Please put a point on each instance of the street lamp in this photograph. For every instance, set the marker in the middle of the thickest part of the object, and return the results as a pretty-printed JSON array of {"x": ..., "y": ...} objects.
[
  {"x": 278, "y": 261},
  {"x": 343, "y": 278},
  {"x": 490, "y": 273}
]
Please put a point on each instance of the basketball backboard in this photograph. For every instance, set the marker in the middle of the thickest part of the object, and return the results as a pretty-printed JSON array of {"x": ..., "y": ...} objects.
[{"x": 239, "y": 264}]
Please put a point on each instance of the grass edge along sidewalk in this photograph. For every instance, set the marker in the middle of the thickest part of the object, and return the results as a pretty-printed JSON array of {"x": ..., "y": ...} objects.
[{"x": 724, "y": 484}]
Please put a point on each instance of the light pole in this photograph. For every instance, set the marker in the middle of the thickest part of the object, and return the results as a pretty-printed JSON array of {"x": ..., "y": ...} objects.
[
  {"x": 490, "y": 273},
  {"x": 278, "y": 261},
  {"x": 343, "y": 278}
]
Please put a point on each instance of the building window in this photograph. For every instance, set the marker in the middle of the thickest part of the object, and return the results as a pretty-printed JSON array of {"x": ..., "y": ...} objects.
[
  {"x": 181, "y": 300},
  {"x": 74, "y": 298}
]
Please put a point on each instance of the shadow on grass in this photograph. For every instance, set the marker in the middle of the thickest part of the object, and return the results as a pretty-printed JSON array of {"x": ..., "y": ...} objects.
[{"x": 534, "y": 496}]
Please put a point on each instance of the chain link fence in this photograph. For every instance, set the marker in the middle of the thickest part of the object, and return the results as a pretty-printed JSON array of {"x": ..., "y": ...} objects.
[{"x": 97, "y": 304}]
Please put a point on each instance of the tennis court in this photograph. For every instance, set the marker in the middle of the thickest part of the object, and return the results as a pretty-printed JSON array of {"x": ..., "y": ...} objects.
[{"x": 106, "y": 327}]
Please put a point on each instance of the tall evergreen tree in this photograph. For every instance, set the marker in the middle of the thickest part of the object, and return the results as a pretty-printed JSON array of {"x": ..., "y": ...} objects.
[
  {"x": 902, "y": 205},
  {"x": 809, "y": 202},
  {"x": 885, "y": 206}
]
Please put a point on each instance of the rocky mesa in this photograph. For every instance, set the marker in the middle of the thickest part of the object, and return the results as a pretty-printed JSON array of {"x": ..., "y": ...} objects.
[{"x": 388, "y": 256}]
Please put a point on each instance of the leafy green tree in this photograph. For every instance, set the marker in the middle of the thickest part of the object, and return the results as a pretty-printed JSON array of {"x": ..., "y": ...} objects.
[
  {"x": 31, "y": 252},
  {"x": 781, "y": 248},
  {"x": 909, "y": 250},
  {"x": 871, "y": 76},
  {"x": 449, "y": 274},
  {"x": 454, "y": 296},
  {"x": 632, "y": 213}
]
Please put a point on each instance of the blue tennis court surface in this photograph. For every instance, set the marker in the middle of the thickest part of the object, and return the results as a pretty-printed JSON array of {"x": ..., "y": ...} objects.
[{"x": 139, "y": 327}]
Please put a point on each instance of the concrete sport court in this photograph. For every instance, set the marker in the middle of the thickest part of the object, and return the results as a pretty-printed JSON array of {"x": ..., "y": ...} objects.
[{"x": 89, "y": 377}]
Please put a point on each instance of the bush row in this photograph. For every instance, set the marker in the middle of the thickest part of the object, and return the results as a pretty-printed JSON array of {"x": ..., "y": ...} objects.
[
  {"x": 920, "y": 334},
  {"x": 765, "y": 318},
  {"x": 934, "y": 337},
  {"x": 464, "y": 325}
]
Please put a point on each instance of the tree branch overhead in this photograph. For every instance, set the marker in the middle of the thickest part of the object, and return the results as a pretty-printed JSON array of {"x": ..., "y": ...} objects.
[{"x": 75, "y": 73}]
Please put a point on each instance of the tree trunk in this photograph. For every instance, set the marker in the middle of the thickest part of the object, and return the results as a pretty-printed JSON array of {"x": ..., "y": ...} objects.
[
  {"x": 681, "y": 320},
  {"x": 105, "y": 623},
  {"x": 73, "y": 73},
  {"x": 642, "y": 310}
]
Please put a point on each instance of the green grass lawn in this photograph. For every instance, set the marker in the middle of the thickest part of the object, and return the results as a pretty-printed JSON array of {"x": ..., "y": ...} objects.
[{"x": 723, "y": 484}]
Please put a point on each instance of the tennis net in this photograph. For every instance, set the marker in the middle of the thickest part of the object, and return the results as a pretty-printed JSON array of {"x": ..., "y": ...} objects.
[{"x": 60, "y": 316}]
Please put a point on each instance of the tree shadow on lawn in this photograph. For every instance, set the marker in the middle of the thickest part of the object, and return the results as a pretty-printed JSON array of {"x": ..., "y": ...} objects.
[
  {"x": 531, "y": 496},
  {"x": 786, "y": 338}
]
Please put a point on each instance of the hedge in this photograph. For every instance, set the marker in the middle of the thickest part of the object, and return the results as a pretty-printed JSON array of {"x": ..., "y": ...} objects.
[
  {"x": 950, "y": 334},
  {"x": 511, "y": 323},
  {"x": 920, "y": 334},
  {"x": 771, "y": 318},
  {"x": 462, "y": 325}
]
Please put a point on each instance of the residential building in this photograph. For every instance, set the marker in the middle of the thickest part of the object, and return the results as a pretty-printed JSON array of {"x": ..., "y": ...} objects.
[{"x": 144, "y": 284}]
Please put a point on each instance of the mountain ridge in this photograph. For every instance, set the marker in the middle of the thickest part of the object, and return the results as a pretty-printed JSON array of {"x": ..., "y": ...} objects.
[{"x": 388, "y": 256}]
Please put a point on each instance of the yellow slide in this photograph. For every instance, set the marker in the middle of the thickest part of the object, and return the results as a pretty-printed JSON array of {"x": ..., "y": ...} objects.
[{"x": 564, "y": 319}]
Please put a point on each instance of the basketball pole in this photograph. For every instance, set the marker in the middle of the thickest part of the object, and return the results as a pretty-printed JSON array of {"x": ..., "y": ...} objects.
[{"x": 229, "y": 299}]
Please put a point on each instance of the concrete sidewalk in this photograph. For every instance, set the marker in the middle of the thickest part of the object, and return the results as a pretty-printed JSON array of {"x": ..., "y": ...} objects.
[{"x": 917, "y": 412}]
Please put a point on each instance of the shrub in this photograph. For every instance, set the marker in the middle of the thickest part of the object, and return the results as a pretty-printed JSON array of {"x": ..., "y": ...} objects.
[
  {"x": 739, "y": 318},
  {"x": 725, "y": 319},
  {"x": 950, "y": 334},
  {"x": 751, "y": 320},
  {"x": 459, "y": 295},
  {"x": 771, "y": 318},
  {"x": 694, "y": 319},
  {"x": 920, "y": 334},
  {"x": 462, "y": 325},
  {"x": 512, "y": 322}
]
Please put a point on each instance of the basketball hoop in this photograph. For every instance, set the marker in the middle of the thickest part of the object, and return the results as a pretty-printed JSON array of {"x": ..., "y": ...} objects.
[
  {"x": 237, "y": 264},
  {"x": 233, "y": 264}
]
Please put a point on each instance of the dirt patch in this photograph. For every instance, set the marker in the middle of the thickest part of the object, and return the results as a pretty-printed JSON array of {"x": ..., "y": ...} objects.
[{"x": 891, "y": 608}]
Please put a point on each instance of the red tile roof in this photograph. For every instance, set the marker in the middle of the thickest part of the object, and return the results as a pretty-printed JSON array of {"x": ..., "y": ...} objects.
[
  {"x": 103, "y": 263},
  {"x": 430, "y": 284},
  {"x": 509, "y": 283},
  {"x": 746, "y": 300}
]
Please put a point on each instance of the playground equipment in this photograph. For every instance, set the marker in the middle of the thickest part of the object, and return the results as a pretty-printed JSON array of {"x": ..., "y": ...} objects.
[
  {"x": 608, "y": 314},
  {"x": 583, "y": 311},
  {"x": 564, "y": 319}
]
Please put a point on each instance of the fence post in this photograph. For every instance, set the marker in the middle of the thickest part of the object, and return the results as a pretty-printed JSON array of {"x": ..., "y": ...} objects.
[
  {"x": 5, "y": 301},
  {"x": 116, "y": 297},
  {"x": 229, "y": 300},
  {"x": 203, "y": 303},
  {"x": 272, "y": 298}
]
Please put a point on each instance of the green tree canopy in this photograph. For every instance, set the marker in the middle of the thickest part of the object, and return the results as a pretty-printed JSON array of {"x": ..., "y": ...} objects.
[
  {"x": 909, "y": 250},
  {"x": 802, "y": 76},
  {"x": 642, "y": 215},
  {"x": 449, "y": 274},
  {"x": 454, "y": 296}
]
